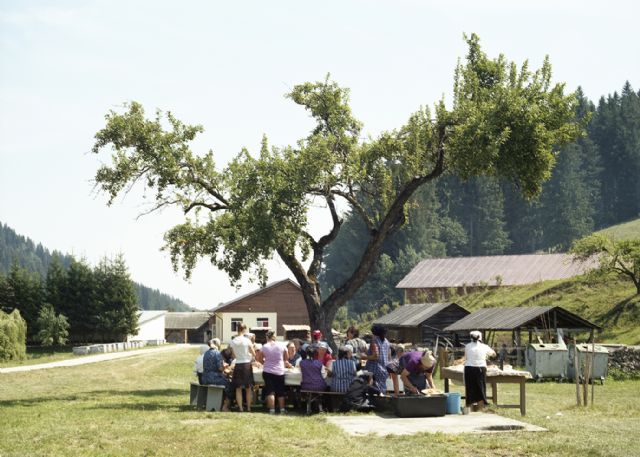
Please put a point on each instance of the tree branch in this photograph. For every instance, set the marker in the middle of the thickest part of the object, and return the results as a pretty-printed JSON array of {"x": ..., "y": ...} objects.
[{"x": 213, "y": 207}]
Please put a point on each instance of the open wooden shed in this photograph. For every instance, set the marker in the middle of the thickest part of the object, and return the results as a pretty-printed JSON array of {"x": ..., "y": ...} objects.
[{"x": 421, "y": 323}]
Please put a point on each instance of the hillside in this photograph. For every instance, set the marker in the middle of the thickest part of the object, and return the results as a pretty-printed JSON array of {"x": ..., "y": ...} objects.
[
  {"x": 623, "y": 231},
  {"x": 610, "y": 303},
  {"x": 36, "y": 258}
]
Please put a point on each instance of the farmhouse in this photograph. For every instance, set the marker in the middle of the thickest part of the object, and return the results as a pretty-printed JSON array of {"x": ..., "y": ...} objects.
[
  {"x": 433, "y": 280},
  {"x": 421, "y": 323},
  {"x": 278, "y": 303},
  {"x": 195, "y": 327}
]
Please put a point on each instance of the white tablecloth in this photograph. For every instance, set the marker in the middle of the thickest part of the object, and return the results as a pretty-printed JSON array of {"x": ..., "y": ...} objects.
[{"x": 292, "y": 376}]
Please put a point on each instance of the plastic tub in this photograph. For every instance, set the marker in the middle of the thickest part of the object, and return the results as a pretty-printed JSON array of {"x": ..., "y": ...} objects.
[{"x": 453, "y": 403}]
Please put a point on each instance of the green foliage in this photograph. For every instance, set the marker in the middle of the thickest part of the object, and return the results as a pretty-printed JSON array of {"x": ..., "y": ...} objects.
[
  {"x": 621, "y": 257},
  {"x": 36, "y": 259},
  {"x": 52, "y": 329},
  {"x": 504, "y": 123},
  {"x": 13, "y": 336},
  {"x": 116, "y": 300}
]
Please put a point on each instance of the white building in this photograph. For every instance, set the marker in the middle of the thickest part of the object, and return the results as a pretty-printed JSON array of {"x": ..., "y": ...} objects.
[{"x": 150, "y": 326}]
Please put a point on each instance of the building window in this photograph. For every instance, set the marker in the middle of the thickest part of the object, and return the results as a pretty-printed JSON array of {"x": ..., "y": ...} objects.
[
  {"x": 235, "y": 323},
  {"x": 263, "y": 322}
]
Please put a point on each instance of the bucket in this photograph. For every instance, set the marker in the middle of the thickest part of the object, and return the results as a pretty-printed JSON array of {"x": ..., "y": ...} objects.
[{"x": 453, "y": 403}]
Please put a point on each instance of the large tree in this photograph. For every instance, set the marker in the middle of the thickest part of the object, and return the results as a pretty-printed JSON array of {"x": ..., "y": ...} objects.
[{"x": 503, "y": 121}]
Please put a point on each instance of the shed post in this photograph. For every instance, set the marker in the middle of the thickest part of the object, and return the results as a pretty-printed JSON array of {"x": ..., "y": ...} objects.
[{"x": 518, "y": 348}]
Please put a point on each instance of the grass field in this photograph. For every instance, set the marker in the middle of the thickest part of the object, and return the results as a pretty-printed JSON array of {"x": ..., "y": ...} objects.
[
  {"x": 626, "y": 231},
  {"x": 36, "y": 354},
  {"x": 139, "y": 407}
]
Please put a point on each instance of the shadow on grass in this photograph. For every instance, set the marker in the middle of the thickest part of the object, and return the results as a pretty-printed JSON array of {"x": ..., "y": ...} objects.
[{"x": 627, "y": 307}]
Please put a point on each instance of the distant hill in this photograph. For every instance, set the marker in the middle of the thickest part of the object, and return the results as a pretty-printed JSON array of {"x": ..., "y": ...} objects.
[
  {"x": 623, "y": 231},
  {"x": 36, "y": 258}
]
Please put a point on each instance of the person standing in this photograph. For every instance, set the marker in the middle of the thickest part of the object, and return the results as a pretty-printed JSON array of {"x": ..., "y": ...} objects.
[
  {"x": 378, "y": 358},
  {"x": 358, "y": 344},
  {"x": 275, "y": 357},
  {"x": 242, "y": 372},
  {"x": 475, "y": 370}
]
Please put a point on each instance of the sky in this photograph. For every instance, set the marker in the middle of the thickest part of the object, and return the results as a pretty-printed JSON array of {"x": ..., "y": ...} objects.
[{"x": 227, "y": 66}]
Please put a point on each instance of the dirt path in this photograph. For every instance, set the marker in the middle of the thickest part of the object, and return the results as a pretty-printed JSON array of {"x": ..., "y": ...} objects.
[{"x": 81, "y": 360}]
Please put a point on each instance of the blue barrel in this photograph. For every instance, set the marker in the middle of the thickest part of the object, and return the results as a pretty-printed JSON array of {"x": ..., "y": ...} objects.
[{"x": 453, "y": 403}]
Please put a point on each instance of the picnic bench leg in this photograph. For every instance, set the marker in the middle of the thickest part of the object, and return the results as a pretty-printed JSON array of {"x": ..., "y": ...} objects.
[
  {"x": 193, "y": 395},
  {"x": 309, "y": 400},
  {"x": 523, "y": 398},
  {"x": 446, "y": 385},
  {"x": 494, "y": 393}
]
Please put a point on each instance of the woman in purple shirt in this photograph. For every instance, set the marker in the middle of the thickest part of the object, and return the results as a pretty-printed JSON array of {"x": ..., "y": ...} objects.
[
  {"x": 274, "y": 358},
  {"x": 311, "y": 370}
]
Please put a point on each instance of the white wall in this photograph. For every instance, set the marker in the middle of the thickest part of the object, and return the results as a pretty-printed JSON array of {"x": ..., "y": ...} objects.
[
  {"x": 152, "y": 329},
  {"x": 249, "y": 319}
]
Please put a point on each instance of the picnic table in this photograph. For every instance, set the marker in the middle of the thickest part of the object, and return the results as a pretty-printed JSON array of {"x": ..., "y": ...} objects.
[{"x": 495, "y": 376}]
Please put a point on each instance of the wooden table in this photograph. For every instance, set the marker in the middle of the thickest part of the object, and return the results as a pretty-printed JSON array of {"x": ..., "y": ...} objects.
[{"x": 494, "y": 379}]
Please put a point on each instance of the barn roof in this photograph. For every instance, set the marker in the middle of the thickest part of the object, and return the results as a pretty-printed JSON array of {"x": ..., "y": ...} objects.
[
  {"x": 413, "y": 315},
  {"x": 193, "y": 320},
  {"x": 506, "y": 270},
  {"x": 255, "y": 292},
  {"x": 540, "y": 317}
]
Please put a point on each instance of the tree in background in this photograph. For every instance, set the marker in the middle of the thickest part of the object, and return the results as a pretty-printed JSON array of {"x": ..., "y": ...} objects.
[
  {"x": 13, "y": 336},
  {"x": 621, "y": 257},
  {"x": 504, "y": 122},
  {"x": 53, "y": 330},
  {"x": 27, "y": 296},
  {"x": 116, "y": 300}
]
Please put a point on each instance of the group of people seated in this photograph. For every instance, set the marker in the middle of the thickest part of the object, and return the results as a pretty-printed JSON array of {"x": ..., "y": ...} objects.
[{"x": 360, "y": 369}]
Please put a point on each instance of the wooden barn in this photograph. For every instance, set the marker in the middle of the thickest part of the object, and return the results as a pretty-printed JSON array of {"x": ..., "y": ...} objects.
[
  {"x": 421, "y": 323},
  {"x": 434, "y": 280},
  {"x": 195, "y": 327},
  {"x": 278, "y": 303}
]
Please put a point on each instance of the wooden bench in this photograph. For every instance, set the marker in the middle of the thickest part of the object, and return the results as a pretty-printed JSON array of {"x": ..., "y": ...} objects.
[
  {"x": 207, "y": 397},
  {"x": 312, "y": 396}
]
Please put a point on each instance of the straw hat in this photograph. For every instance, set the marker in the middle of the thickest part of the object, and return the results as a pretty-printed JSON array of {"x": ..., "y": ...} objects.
[{"x": 427, "y": 359}]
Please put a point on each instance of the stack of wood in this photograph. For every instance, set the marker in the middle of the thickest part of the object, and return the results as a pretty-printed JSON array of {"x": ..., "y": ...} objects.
[{"x": 626, "y": 360}]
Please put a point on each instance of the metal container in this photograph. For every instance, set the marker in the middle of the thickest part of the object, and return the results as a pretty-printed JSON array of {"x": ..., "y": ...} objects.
[
  {"x": 600, "y": 367},
  {"x": 547, "y": 361},
  {"x": 413, "y": 405}
]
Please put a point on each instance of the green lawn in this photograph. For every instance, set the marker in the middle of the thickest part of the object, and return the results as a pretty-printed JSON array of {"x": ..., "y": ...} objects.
[
  {"x": 37, "y": 354},
  {"x": 139, "y": 406},
  {"x": 626, "y": 231}
]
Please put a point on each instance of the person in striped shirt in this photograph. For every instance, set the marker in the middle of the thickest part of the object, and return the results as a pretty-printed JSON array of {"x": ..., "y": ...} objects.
[{"x": 343, "y": 370}]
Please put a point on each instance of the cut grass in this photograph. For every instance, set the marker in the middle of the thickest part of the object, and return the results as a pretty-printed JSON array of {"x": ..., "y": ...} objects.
[{"x": 139, "y": 406}]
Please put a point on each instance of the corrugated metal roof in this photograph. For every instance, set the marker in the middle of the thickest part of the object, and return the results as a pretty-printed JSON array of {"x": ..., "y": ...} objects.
[
  {"x": 186, "y": 320},
  {"x": 411, "y": 315},
  {"x": 255, "y": 292},
  {"x": 511, "y": 270},
  {"x": 512, "y": 318}
]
